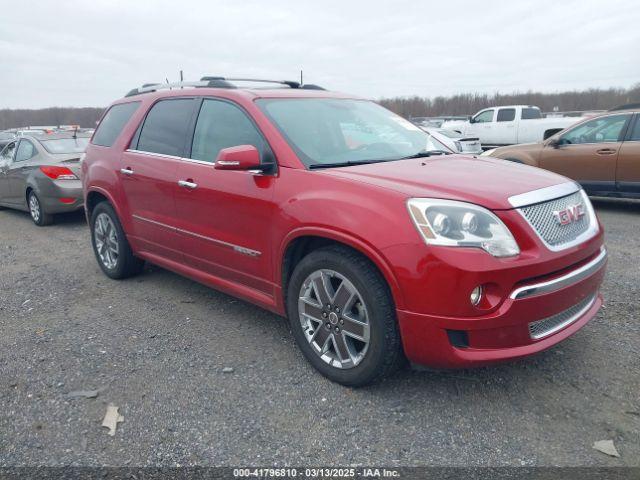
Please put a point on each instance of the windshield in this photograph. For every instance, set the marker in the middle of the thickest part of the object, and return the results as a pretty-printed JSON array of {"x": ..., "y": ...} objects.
[
  {"x": 335, "y": 131},
  {"x": 66, "y": 145}
]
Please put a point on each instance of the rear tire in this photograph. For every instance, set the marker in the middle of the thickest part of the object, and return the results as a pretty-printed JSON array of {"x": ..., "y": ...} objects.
[
  {"x": 369, "y": 312},
  {"x": 36, "y": 210},
  {"x": 110, "y": 244}
]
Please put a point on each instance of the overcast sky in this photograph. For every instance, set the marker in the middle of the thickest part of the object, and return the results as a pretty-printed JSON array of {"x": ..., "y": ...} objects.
[{"x": 90, "y": 52}]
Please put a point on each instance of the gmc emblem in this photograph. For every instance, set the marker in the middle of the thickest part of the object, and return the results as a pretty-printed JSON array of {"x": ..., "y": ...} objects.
[{"x": 571, "y": 214}]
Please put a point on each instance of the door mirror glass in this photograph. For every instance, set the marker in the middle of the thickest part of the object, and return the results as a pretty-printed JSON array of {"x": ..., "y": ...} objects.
[{"x": 242, "y": 157}]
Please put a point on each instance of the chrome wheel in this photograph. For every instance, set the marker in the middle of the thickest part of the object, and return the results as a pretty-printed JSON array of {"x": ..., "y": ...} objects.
[
  {"x": 106, "y": 241},
  {"x": 34, "y": 208},
  {"x": 334, "y": 318}
]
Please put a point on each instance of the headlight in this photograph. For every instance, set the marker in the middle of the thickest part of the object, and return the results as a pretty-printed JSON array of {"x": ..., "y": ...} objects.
[
  {"x": 460, "y": 224},
  {"x": 487, "y": 153}
]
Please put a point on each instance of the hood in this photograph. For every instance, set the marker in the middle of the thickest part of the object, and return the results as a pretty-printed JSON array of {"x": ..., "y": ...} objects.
[{"x": 485, "y": 181}]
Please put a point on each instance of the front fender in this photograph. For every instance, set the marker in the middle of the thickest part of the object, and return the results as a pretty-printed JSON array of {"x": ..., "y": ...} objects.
[{"x": 358, "y": 244}]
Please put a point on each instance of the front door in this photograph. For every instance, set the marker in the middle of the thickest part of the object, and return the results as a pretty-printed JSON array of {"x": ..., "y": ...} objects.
[
  {"x": 6, "y": 157},
  {"x": 481, "y": 127},
  {"x": 628, "y": 171},
  {"x": 225, "y": 217},
  {"x": 16, "y": 178},
  {"x": 588, "y": 152},
  {"x": 149, "y": 174}
]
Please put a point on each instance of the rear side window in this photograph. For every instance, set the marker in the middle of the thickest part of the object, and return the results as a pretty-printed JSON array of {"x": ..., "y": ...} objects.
[
  {"x": 506, "y": 114},
  {"x": 113, "y": 122},
  {"x": 165, "y": 128},
  {"x": 635, "y": 133},
  {"x": 531, "y": 114},
  {"x": 223, "y": 125}
]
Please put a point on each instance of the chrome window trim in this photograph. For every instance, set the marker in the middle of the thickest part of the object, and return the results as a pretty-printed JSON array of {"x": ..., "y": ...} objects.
[
  {"x": 237, "y": 248},
  {"x": 556, "y": 284},
  {"x": 564, "y": 324},
  {"x": 590, "y": 232},
  {"x": 543, "y": 194},
  {"x": 153, "y": 154}
]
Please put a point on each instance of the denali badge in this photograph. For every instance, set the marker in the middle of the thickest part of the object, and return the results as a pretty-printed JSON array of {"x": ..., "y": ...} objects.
[{"x": 571, "y": 214}]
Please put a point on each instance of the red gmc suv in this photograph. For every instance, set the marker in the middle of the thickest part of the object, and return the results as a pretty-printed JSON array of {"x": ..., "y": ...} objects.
[{"x": 375, "y": 240}]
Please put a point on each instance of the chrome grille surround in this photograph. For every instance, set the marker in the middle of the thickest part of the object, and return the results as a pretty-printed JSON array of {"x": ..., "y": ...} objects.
[
  {"x": 540, "y": 215},
  {"x": 547, "y": 326}
]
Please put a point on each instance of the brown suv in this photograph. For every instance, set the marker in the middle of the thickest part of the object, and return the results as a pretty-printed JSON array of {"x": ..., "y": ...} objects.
[{"x": 602, "y": 153}]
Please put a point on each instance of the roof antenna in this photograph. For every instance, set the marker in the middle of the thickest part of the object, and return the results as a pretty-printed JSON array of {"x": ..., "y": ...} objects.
[
  {"x": 181, "y": 78},
  {"x": 301, "y": 82}
]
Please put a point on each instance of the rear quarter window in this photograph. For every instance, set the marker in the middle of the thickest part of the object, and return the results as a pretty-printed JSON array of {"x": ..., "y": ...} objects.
[{"x": 113, "y": 122}]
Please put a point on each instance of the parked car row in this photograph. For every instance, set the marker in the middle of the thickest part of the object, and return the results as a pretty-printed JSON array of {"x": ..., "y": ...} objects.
[
  {"x": 601, "y": 153},
  {"x": 376, "y": 240},
  {"x": 510, "y": 125}
]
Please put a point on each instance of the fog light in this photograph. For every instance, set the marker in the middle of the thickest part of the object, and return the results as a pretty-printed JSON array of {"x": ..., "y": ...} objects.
[{"x": 476, "y": 296}]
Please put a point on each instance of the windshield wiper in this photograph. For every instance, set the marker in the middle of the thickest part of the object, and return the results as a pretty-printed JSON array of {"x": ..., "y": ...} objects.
[
  {"x": 350, "y": 163},
  {"x": 426, "y": 153}
]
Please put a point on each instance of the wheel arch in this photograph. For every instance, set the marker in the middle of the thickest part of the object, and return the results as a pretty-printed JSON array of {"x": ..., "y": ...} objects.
[
  {"x": 301, "y": 242},
  {"x": 94, "y": 196}
]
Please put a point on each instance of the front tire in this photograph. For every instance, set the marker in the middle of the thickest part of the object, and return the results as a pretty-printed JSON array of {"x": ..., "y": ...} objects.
[
  {"x": 36, "y": 210},
  {"x": 343, "y": 318},
  {"x": 110, "y": 244}
]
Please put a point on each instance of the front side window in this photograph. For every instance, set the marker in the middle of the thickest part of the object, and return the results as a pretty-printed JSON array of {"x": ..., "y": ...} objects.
[
  {"x": 165, "y": 129},
  {"x": 340, "y": 131},
  {"x": 26, "y": 150},
  {"x": 599, "y": 130},
  {"x": 7, "y": 153},
  {"x": 506, "y": 115},
  {"x": 484, "y": 117},
  {"x": 113, "y": 123},
  {"x": 223, "y": 125}
]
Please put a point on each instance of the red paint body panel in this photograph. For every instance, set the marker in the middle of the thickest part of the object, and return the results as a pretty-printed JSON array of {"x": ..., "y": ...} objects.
[{"x": 253, "y": 218}]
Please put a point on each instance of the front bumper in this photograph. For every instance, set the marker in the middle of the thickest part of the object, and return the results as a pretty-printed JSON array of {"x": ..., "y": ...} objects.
[{"x": 535, "y": 316}]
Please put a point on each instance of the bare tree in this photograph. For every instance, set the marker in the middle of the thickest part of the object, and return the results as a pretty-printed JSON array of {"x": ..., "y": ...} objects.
[{"x": 469, "y": 103}]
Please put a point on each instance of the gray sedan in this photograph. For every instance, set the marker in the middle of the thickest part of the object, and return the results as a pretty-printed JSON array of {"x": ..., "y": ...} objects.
[{"x": 41, "y": 175}]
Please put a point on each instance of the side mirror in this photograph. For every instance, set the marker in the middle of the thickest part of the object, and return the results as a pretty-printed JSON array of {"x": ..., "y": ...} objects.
[
  {"x": 472, "y": 120},
  {"x": 242, "y": 157}
]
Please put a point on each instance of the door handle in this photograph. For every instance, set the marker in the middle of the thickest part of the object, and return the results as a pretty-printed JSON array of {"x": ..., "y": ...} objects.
[
  {"x": 187, "y": 184},
  {"x": 606, "y": 151},
  {"x": 126, "y": 171}
]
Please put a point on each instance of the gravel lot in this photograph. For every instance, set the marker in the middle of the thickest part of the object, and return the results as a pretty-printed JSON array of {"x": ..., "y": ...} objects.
[{"x": 157, "y": 346}]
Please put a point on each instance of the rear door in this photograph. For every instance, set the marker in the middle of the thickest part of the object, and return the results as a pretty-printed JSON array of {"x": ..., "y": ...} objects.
[
  {"x": 6, "y": 157},
  {"x": 225, "y": 217},
  {"x": 16, "y": 178},
  {"x": 588, "y": 152},
  {"x": 505, "y": 131},
  {"x": 628, "y": 168},
  {"x": 149, "y": 173}
]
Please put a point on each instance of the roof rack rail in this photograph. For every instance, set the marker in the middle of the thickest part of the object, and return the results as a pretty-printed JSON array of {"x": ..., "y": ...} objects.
[{"x": 215, "y": 82}]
